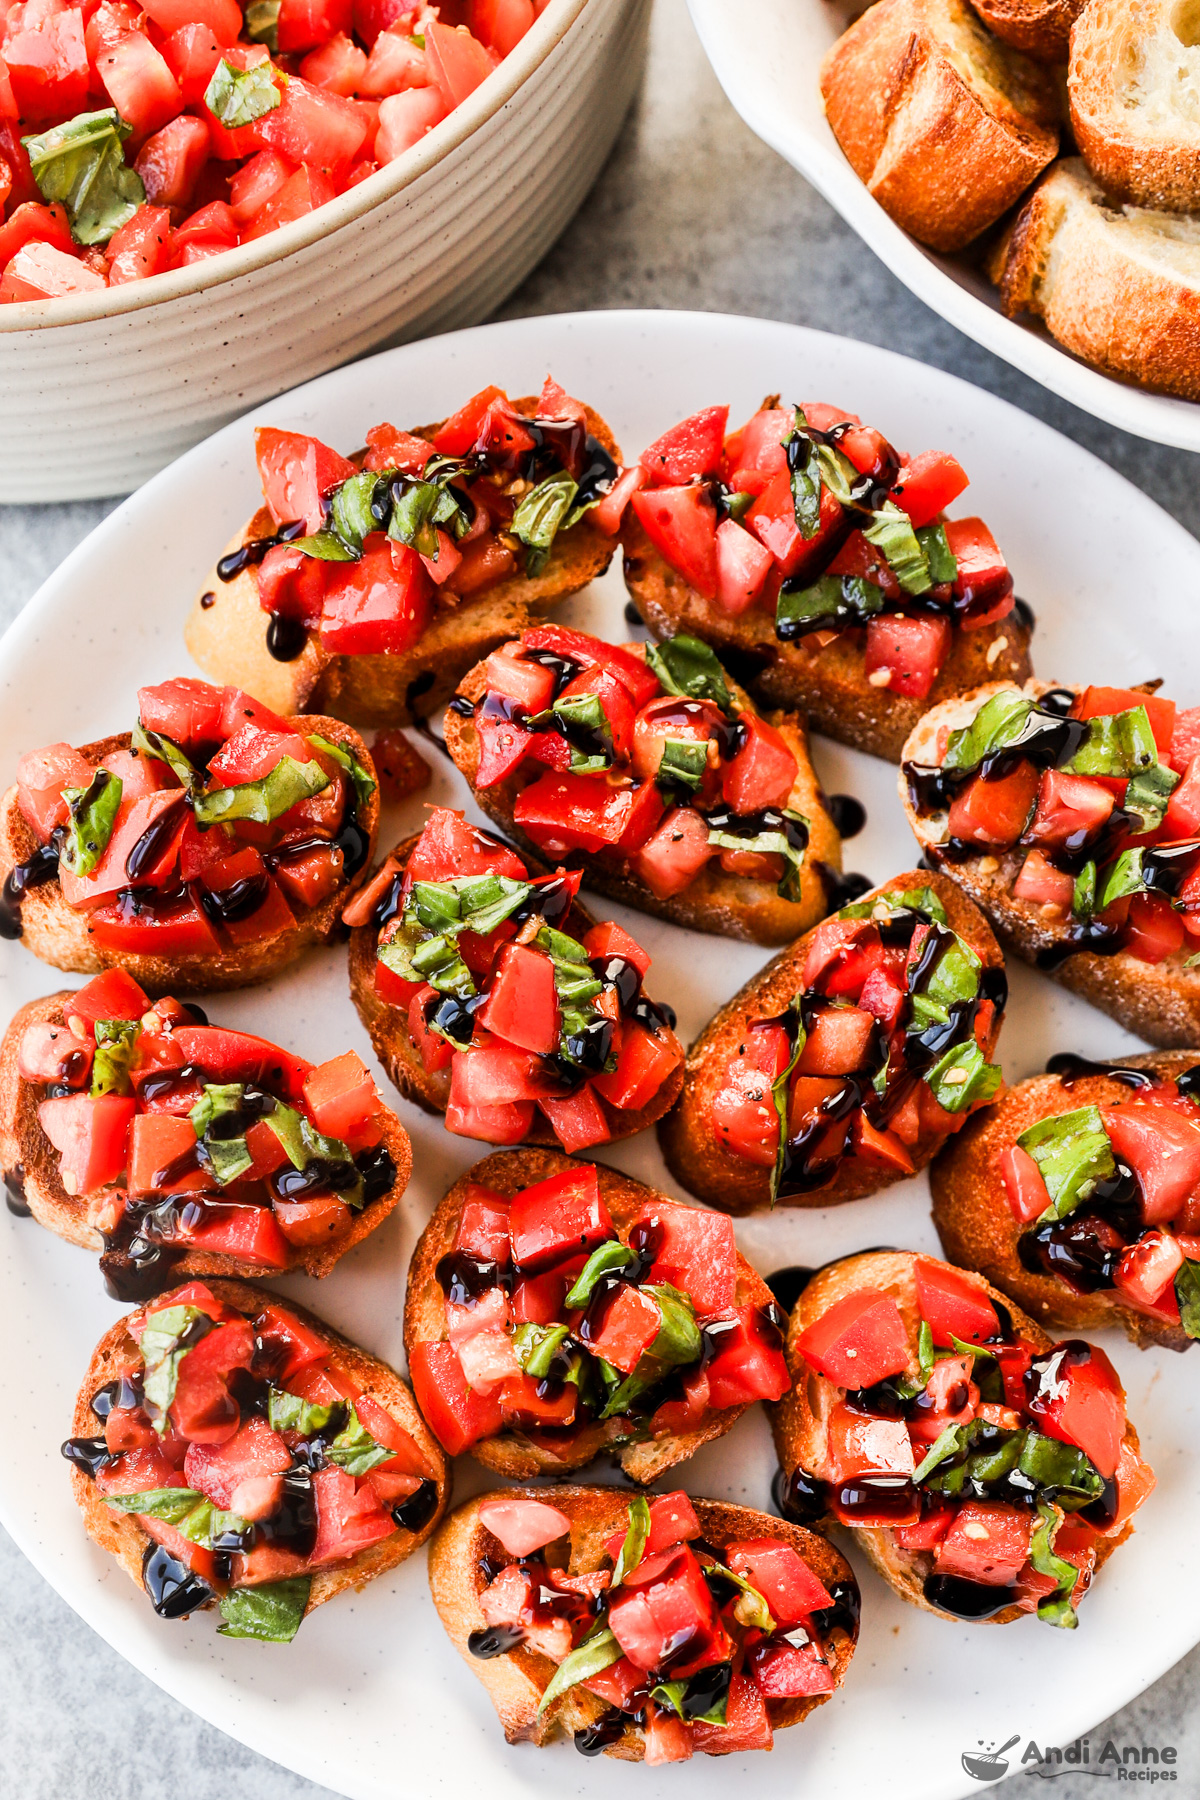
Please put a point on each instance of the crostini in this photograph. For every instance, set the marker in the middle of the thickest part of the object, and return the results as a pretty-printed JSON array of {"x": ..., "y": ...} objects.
[
  {"x": 205, "y": 850},
  {"x": 1079, "y": 1196},
  {"x": 818, "y": 562},
  {"x": 655, "y": 772},
  {"x": 985, "y": 1470},
  {"x": 844, "y": 1064},
  {"x": 557, "y": 1310},
  {"x": 367, "y": 586},
  {"x": 1072, "y": 817},
  {"x": 175, "y": 1147},
  {"x": 1041, "y": 28},
  {"x": 232, "y": 1450},
  {"x": 649, "y": 1630},
  {"x": 492, "y": 997},
  {"x": 1132, "y": 84}
]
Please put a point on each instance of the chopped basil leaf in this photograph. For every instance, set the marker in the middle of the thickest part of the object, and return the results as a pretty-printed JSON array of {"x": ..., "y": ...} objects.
[
  {"x": 670, "y": 1693},
  {"x": 172, "y": 1505},
  {"x": 539, "y": 516},
  {"x": 1120, "y": 878},
  {"x": 926, "y": 1358},
  {"x": 780, "y": 1097},
  {"x": 963, "y": 1078},
  {"x": 918, "y": 900},
  {"x": 830, "y": 603},
  {"x": 325, "y": 546},
  {"x": 586, "y": 714},
  {"x": 304, "y": 1144},
  {"x": 413, "y": 521},
  {"x": 837, "y": 472},
  {"x": 598, "y": 1651},
  {"x": 953, "y": 978},
  {"x": 575, "y": 985},
  {"x": 437, "y": 961},
  {"x": 535, "y": 1347},
  {"x": 153, "y": 744},
  {"x": 350, "y": 515},
  {"x": 270, "y": 1613},
  {"x": 1083, "y": 896},
  {"x": 1074, "y": 1155},
  {"x": 751, "y": 1608},
  {"x": 1148, "y": 793},
  {"x": 890, "y": 530},
  {"x": 1056, "y": 1608},
  {"x": 92, "y": 813},
  {"x": 610, "y": 1256},
  {"x": 1187, "y": 1292},
  {"x": 468, "y": 903},
  {"x": 362, "y": 783},
  {"x": 82, "y": 164},
  {"x": 948, "y": 1444},
  {"x": 354, "y": 1449},
  {"x": 287, "y": 1412},
  {"x": 163, "y": 1348},
  {"x": 116, "y": 1046},
  {"x": 239, "y": 96},
  {"x": 998, "y": 723},
  {"x": 633, "y": 1547},
  {"x": 228, "y": 1157},
  {"x": 683, "y": 765},
  {"x": 678, "y": 1339},
  {"x": 687, "y": 667},
  {"x": 943, "y": 564},
  {"x": 805, "y": 467},
  {"x": 771, "y": 843},
  {"x": 1050, "y": 1463},
  {"x": 264, "y": 800},
  {"x": 262, "y": 23},
  {"x": 1116, "y": 744}
]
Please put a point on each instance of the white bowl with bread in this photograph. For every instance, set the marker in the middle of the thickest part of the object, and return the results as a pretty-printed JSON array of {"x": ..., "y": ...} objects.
[
  {"x": 951, "y": 150},
  {"x": 100, "y": 390}
]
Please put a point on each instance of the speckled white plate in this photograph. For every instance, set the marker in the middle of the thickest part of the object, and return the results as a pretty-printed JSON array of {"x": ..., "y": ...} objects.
[
  {"x": 370, "y": 1699},
  {"x": 767, "y": 57}
]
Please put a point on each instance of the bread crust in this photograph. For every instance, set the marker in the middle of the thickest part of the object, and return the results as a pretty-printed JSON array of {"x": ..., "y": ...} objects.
[
  {"x": 513, "y": 1454},
  {"x": 226, "y": 631},
  {"x": 1105, "y": 289},
  {"x": 1041, "y": 28},
  {"x": 798, "y": 1420},
  {"x": 516, "y": 1680},
  {"x": 1160, "y": 1001},
  {"x": 977, "y": 1226},
  {"x": 830, "y": 685},
  {"x": 1139, "y": 154},
  {"x": 388, "y": 1029},
  {"x": 24, "y": 1147},
  {"x": 944, "y": 124},
  {"x": 120, "y": 1534},
  {"x": 729, "y": 1182},
  {"x": 58, "y": 934},
  {"x": 726, "y": 905}
]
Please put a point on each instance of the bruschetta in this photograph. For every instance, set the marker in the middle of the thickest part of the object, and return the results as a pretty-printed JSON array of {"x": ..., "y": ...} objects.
[
  {"x": 175, "y": 1147},
  {"x": 1072, "y": 817},
  {"x": 818, "y": 562},
  {"x": 492, "y": 997},
  {"x": 1077, "y": 1195},
  {"x": 985, "y": 1470},
  {"x": 231, "y": 1450},
  {"x": 651, "y": 1630},
  {"x": 205, "y": 850},
  {"x": 366, "y": 586},
  {"x": 557, "y": 1310},
  {"x": 844, "y": 1064},
  {"x": 654, "y": 772}
]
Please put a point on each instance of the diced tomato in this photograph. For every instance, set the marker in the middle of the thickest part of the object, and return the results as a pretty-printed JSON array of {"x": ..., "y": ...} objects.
[
  {"x": 837, "y": 1041},
  {"x": 927, "y": 484},
  {"x": 187, "y": 711},
  {"x": 342, "y": 1100},
  {"x": 883, "y": 1148},
  {"x": 142, "y": 246},
  {"x": 608, "y": 940},
  {"x": 857, "y": 1341},
  {"x": 1098, "y": 702},
  {"x": 645, "y": 1061},
  {"x": 1135, "y": 1481},
  {"x": 239, "y": 1056},
  {"x": 608, "y": 513},
  {"x": 910, "y": 647},
  {"x": 784, "y": 1671},
  {"x": 41, "y": 777},
  {"x": 1042, "y": 884},
  {"x": 558, "y": 1218},
  {"x": 681, "y": 523},
  {"x": 303, "y": 24},
  {"x": 762, "y": 772},
  {"x": 515, "y": 677},
  {"x": 218, "y": 1470},
  {"x": 301, "y": 1346},
  {"x": 271, "y": 916},
  {"x": 90, "y": 1136},
  {"x": 772, "y": 519},
  {"x": 457, "y": 61},
  {"x": 674, "y": 855},
  {"x": 783, "y": 1578},
  {"x": 743, "y": 564},
  {"x": 861, "y": 1445},
  {"x": 111, "y": 995},
  {"x": 1146, "y": 1272},
  {"x": 1153, "y": 929},
  {"x": 688, "y": 450},
  {"x": 747, "y": 1363},
  {"x": 349, "y": 1517},
  {"x": 1185, "y": 739},
  {"x": 662, "y": 1605},
  {"x": 379, "y": 605},
  {"x": 573, "y": 812},
  {"x": 578, "y": 1121},
  {"x": 483, "y": 1225},
  {"x": 672, "y": 1521},
  {"x": 928, "y": 1531},
  {"x": 952, "y": 1303},
  {"x": 1068, "y": 805},
  {"x": 1085, "y": 1406},
  {"x": 498, "y": 1122},
  {"x": 252, "y": 753},
  {"x": 757, "y": 449},
  {"x": 314, "y": 127},
  {"x": 456, "y": 1415},
  {"x": 175, "y": 929},
  {"x": 192, "y": 54},
  {"x": 139, "y": 83},
  {"x": 632, "y": 1321},
  {"x": 987, "y": 1542},
  {"x": 695, "y": 1251},
  {"x": 1027, "y": 1192},
  {"x": 523, "y": 1526},
  {"x": 522, "y": 1004},
  {"x": 580, "y": 647},
  {"x": 134, "y": 818},
  {"x": 52, "y": 1053},
  {"x": 159, "y": 1140},
  {"x": 203, "y": 1409},
  {"x": 297, "y": 471},
  {"x": 994, "y": 812},
  {"x": 47, "y": 66},
  {"x": 209, "y": 229},
  {"x": 538, "y": 1299},
  {"x": 448, "y": 846},
  {"x": 301, "y": 1223},
  {"x": 524, "y": 1406},
  {"x": 404, "y": 119},
  {"x": 1162, "y": 1147},
  {"x": 433, "y": 1049}
]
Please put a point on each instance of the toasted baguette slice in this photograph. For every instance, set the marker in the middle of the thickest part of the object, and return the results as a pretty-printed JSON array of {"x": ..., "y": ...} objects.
[
  {"x": 727, "y": 905},
  {"x": 686, "y": 1134},
  {"x": 1118, "y": 286},
  {"x": 1160, "y": 1001},
  {"x": 388, "y": 1028},
  {"x": 58, "y": 934},
  {"x": 32, "y": 1163},
  {"x": 226, "y": 631},
  {"x": 799, "y": 1420},
  {"x": 829, "y": 685},
  {"x": 516, "y": 1680},
  {"x": 120, "y": 1534},
  {"x": 514, "y": 1454},
  {"x": 1134, "y": 85},
  {"x": 979, "y": 1230},
  {"x": 1041, "y": 28},
  {"x": 945, "y": 124}
]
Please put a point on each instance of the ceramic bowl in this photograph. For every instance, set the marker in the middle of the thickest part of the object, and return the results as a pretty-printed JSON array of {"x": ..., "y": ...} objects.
[{"x": 99, "y": 391}]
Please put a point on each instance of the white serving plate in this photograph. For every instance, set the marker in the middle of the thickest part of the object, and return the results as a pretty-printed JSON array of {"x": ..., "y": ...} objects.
[
  {"x": 99, "y": 391},
  {"x": 767, "y": 57},
  {"x": 370, "y": 1700}
]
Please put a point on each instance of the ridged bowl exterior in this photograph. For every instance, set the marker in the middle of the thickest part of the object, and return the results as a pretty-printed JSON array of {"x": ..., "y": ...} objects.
[{"x": 94, "y": 405}]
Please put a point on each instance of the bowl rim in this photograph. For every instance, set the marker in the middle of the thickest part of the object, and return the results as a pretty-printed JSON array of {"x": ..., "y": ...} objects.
[{"x": 543, "y": 37}]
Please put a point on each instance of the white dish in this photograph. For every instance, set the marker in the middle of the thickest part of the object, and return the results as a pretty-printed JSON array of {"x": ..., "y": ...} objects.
[
  {"x": 767, "y": 58},
  {"x": 99, "y": 391},
  {"x": 370, "y": 1699}
]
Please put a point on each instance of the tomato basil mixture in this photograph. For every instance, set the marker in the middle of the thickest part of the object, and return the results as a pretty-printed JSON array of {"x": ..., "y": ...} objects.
[
  {"x": 641, "y": 756},
  {"x": 883, "y": 1045},
  {"x": 249, "y": 1454},
  {"x": 525, "y": 1017},
  {"x": 1098, "y": 794},
  {"x": 685, "y": 1640},
  {"x": 1108, "y": 1197},
  {"x": 135, "y": 140},
  {"x": 998, "y": 1466},
  {"x": 207, "y": 835},
  {"x": 557, "y": 1323},
  {"x": 365, "y": 556},
  {"x": 812, "y": 516},
  {"x": 181, "y": 1136}
]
